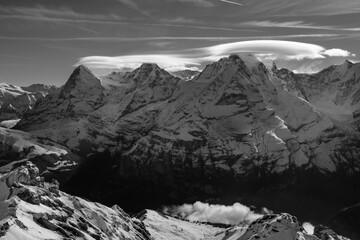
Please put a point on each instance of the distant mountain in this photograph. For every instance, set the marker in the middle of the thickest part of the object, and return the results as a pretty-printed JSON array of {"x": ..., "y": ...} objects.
[
  {"x": 335, "y": 91},
  {"x": 15, "y": 101},
  {"x": 238, "y": 130},
  {"x": 186, "y": 74}
]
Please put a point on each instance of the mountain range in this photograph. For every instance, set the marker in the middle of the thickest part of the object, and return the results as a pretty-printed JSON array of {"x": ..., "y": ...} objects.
[{"x": 237, "y": 131}]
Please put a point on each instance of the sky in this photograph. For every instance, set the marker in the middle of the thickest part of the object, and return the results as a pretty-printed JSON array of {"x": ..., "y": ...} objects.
[{"x": 41, "y": 41}]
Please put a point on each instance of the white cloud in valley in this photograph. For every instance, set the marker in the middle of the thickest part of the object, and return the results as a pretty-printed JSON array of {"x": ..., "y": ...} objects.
[
  {"x": 214, "y": 213},
  {"x": 309, "y": 228}
]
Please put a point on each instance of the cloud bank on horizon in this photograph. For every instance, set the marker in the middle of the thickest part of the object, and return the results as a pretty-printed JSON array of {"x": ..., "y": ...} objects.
[{"x": 264, "y": 50}]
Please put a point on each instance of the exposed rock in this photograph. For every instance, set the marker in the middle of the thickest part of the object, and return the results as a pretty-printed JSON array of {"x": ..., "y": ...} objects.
[
  {"x": 15, "y": 101},
  {"x": 58, "y": 216},
  {"x": 347, "y": 221},
  {"x": 324, "y": 233}
]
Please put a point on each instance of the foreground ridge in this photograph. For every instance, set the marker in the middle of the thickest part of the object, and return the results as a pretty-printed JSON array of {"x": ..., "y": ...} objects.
[{"x": 34, "y": 209}]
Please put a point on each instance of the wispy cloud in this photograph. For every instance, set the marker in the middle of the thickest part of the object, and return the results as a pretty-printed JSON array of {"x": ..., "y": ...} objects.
[
  {"x": 293, "y": 24},
  {"x": 82, "y": 20},
  {"x": 14, "y": 56},
  {"x": 304, "y": 7},
  {"x": 187, "y": 58},
  {"x": 289, "y": 24},
  {"x": 200, "y": 3},
  {"x": 133, "y": 5},
  {"x": 130, "y": 39},
  {"x": 63, "y": 16},
  {"x": 206, "y": 3},
  {"x": 309, "y": 67},
  {"x": 231, "y": 2},
  {"x": 61, "y": 13}
]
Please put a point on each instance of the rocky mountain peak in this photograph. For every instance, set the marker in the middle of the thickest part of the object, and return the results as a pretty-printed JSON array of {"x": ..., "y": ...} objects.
[
  {"x": 274, "y": 68},
  {"x": 228, "y": 65},
  {"x": 80, "y": 81},
  {"x": 149, "y": 74},
  {"x": 40, "y": 88},
  {"x": 149, "y": 66},
  {"x": 347, "y": 62},
  {"x": 147, "y": 70}
]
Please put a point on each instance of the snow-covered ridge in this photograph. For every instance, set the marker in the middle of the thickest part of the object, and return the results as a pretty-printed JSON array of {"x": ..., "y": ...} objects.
[
  {"x": 34, "y": 209},
  {"x": 335, "y": 91},
  {"x": 15, "y": 101}
]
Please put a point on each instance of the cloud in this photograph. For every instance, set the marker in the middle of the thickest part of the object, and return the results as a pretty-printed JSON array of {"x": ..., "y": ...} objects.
[
  {"x": 133, "y": 5},
  {"x": 58, "y": 13},
  {"x": 213, "y": 213},
  {"x": 303, "y": 7},
  {"x": 336, "y": 52},
  {"x": 200, "y": 3},
  {"x": 264, "y": 50},
  {"x": 309, "y": 67},
  {"x": 206, "y": 3},
  {"x": 132, "y": 39},
  {"x": 231, "y": 2},
  {"x": 168, "y": 62},
  {"x": 289, "y": 24},
  {"x": 274, "y": 48},
  {"x": 309, "y": 228}
]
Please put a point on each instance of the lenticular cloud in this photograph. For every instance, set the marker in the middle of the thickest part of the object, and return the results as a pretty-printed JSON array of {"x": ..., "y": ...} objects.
[
  {"x": 213, "y": 213},
  {"x": 193, "y": 58}
]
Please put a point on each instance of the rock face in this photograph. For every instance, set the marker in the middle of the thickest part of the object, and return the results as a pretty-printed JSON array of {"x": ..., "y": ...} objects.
[
  {"x": 286, "y": 227},
  {"x": 281, "y": 226},
  {"x": 237, "y": 128},
  {"x": 15, "y": 101},
  {"x": 32, "y": 209},
  {"x": 53, "y": 160},
  {"x": 348, "y": 221},
  {"x": 335, "y": 91}
]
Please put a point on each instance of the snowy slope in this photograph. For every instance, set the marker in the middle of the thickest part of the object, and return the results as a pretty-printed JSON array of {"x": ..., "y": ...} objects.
[
  {"x": 32, "y": 209},
  {"x": 162, "y": 227},
  {"x": 334, "y": 91},
  {"x": 281, "y": 226},
  {"x": 17, "y": 147},
  {"x": 15, "y": 101}
]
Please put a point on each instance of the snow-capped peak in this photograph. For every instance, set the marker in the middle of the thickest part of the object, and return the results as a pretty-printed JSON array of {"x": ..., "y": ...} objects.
[
  {"x": 147, "y": 70},
  {"x": 243, "y": 62},
  {"x": 81, "y": 79}
]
